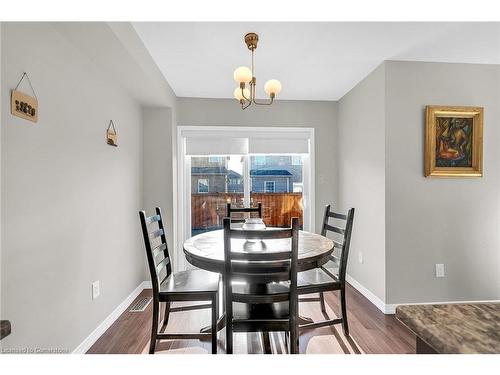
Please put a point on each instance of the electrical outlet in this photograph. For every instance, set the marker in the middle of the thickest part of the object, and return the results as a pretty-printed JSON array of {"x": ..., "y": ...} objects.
[
  {"x": 360, "y": 257},
  {"x": 439, "y": 270},
  {"x": 96, "y": 289}
]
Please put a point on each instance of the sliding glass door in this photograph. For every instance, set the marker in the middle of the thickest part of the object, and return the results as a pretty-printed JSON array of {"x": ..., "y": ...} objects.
[{"x": 242, "y": 166}]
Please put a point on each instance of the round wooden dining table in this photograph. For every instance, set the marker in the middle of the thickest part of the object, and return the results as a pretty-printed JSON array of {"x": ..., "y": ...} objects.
[{"x": 206, "y": 251}]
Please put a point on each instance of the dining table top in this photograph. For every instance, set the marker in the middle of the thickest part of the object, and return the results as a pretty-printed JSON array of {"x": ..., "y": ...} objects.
[{"x": 206, "y": 250}]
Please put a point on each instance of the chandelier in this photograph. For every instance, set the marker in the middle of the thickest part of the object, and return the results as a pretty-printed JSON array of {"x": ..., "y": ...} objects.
[{"x": 243, "y": 75}]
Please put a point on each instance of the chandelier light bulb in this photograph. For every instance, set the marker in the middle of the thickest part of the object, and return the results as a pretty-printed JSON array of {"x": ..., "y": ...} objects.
[
  {"x": 242, "y": 75},
  {"x": 237, "y": 93},
  {"x": 273, "y": 86}
]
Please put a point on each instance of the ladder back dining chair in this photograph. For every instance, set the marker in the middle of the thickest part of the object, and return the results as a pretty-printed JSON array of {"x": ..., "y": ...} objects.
[
  {"x": 168, "y": 287},
  {"x": 261, "y": 286},
  {"x": 243, "y": 210},
  {"x": 330, "y": 276}
]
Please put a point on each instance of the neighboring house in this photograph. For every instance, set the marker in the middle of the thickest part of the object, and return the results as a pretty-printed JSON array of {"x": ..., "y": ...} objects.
[
  {"x": 234, "y": 182},
  {"x": 271, "y": 181},
  {"x": 290, "y": 163},
  {"x": 268, "y": 174},
  {"x": 208, "y": 174}
]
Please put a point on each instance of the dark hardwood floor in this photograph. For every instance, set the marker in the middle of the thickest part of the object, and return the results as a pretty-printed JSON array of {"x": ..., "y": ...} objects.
[{"x": 371, "y": 332}]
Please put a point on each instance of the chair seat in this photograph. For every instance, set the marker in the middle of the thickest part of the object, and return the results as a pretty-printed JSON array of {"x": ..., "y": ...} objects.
[
  {"x": 315, "y": 280},
  {"x": 190, "y": 282}
]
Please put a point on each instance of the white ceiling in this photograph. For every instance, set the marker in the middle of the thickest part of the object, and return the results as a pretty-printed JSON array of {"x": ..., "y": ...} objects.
[{"x": 313, "y": 61}]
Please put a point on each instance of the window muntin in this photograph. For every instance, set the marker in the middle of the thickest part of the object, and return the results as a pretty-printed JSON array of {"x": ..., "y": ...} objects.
[{"x": 269, "y": 186}]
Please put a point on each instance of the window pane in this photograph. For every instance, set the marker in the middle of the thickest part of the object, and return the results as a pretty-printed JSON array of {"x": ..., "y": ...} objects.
[
  {"x": 202, "y": 185},
  {"x": 215, "y": 181},
  {"x": 276, "y": 181}
]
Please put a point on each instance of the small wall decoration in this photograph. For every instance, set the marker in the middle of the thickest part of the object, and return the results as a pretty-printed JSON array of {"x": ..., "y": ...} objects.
[
  {"x": 454, "y": 141},
  {"x": 111, "y": 136},
  {"x": 23, "y": 105}
]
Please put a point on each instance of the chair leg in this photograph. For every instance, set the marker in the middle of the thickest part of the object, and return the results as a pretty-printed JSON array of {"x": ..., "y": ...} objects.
[
  {"x": 215, "y": 316},
  {"x": 229, "y": 337},
  {"x": 154, "y": 327},
  {"x": 322, "y": 302},
  {"x": 294, "y": 341},
  {"x": 343, "y": 307},
  {"x": 165, "y": 316}
]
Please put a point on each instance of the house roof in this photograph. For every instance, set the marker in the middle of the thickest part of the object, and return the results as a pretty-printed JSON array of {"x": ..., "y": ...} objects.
[
  {"x": 270, "y": 172},
  {"x": 233, "y": 174},
  {"x": 208, "y": 170}
]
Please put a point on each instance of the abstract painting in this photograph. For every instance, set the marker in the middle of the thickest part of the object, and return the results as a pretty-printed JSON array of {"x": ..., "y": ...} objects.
[{"x": 454, "y": 141}]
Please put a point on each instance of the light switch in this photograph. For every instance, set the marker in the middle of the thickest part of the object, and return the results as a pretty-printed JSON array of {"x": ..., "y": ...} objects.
[{"x": 439, "y": 270}]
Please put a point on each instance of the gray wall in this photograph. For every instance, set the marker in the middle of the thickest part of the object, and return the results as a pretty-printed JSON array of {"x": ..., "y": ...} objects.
[
  {"x": 69, "y": 200},
  {"x": 454, "y": 221},
  {"x": 158, "y": 187},
  {"x": 361, "y": 177},
  {"x": 423, "y": 221},
  {"x": 318, "y": 115}
]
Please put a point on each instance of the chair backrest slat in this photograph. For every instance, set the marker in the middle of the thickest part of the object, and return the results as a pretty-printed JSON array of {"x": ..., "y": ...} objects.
[
  {"x": 159, "y": 249},
  {"x": 265, "y": 234},
  {"x": 261, "y": 256},
  {"x": 346, "y": 234},
  {"x": 152, "y": 219},
  {"x": 156, "y": 233},
  {"x": 160, "y": 266},
  {"x": 337, "y": 244},
  {"x": 332, "y": 228},
  {"x": 336, "y": 215},
  {"x": 156, "y": 266},
  {"x": 231, "y": 210}
]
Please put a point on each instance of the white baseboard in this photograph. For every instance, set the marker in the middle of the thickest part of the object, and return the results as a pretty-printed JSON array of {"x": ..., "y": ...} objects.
[
  {"x": 391, "y": 308},
  {"x": 367, "y": 293},
  {"x": 110, "y": 319}
]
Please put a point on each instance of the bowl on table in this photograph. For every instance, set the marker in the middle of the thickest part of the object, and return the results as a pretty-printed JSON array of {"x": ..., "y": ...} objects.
[{"x": 253, "y": 224}]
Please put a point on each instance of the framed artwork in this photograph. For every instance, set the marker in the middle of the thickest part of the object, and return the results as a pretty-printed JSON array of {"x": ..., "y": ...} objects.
[{"x": 453, "y": 141}]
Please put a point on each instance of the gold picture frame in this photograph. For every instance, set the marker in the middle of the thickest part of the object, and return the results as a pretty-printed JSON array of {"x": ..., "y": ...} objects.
[{"x": 453, "y": 141}]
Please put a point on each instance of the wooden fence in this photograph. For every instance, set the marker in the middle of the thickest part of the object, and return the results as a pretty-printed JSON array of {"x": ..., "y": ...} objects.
[{"x": 208, "y": 210}]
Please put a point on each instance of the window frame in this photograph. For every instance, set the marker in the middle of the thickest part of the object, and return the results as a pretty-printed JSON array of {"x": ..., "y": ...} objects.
[{"x": 207, "y": 184}]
